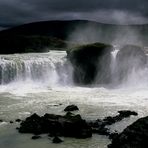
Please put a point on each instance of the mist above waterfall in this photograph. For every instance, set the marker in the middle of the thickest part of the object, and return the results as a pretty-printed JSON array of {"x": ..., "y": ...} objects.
[
  {"x": 54, "y": 68},
  {"x": 107, "y": 33},
  {"x": 126, "y": 69},
  {"x": 128, "y": 36},
  {"x": 129, "y": 66}
]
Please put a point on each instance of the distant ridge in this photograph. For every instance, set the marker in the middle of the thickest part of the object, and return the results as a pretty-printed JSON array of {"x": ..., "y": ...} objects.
[
  {"x": 62, "y": 29},
  {"x": 36, "y": 36},
  {"x": 58, "y": 29}
]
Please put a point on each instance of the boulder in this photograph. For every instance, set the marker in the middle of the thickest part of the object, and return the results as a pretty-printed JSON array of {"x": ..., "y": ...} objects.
[
  {"x": 71, "y": 108},
  {"x": 32, "y": 124},
  {"x": 35, "y": 137},
  {"x": 127, "y": 113},
  {"x": 56, "y": 140},
  {"x": 75, "y": 126},
  {"x": 122, "y": 114},
  {"x": 68, "y": 125},
  {"x": 134, "y": 136},
  {"x": 100, "y": 126},
  {"x": 11, "y": 122},
  {"x": 129, "y": 58},
  {"x": 18, "y": 120},
  {"x": 91, "y": 63}
]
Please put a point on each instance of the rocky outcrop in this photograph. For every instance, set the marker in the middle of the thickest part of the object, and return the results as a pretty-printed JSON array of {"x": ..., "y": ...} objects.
[
  {"x": 122, "y": 114},
  {"x": 71, "y": 108},
  {"x": 56, "y": 140},
  {"x": 100, "y": 126},
  {"x": 69, "y": 125},
  {"x": 35, "y": 137},
  {"x": 134, "y": 136},
  {"x": 91, "y": 62}
]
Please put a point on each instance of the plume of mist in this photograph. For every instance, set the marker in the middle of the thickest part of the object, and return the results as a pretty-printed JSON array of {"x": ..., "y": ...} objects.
[
  {"x": 118, "y": 28},
  {"x": 84, "y": 34},
  {"x": 115, "y": 35},
  {"x": 119, "y": 35},
  {"x": 128, "y": 35}
]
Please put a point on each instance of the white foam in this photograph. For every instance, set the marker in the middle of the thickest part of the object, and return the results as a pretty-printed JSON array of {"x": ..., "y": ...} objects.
[{"x": 34, "y": 72}]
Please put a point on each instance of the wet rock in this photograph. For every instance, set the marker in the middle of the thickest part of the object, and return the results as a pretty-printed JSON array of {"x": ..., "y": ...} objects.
[
  {"x": 67, "y": 125},
  {"x": 32, "y": 124},
  {"x": 52, "y": 124},
  {"x": 99, "y": 126},
  {"x": 57, "y": 140},
  {"x": 122, "y": 114},
  {"x": 57, "y": 104},
  {"x": 113, "y": 135},
  {"x": 11, "y": 122},
  {"x": 71, "y": 108},
  {"x": 35, "y": 137},
  {"x": 68, "y": 114},
  {"x": 18, "y": 120},
  {"x": 134, "y": 136},
  {"x": 75, "y": 126},
  {"x": 127, "y": 113},
  {"x": 70, "y": 125}
]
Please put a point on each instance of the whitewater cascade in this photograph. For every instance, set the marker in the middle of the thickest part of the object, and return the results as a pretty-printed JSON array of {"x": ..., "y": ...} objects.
[
  {"x": 113, "y": 64},
  {"x": 53, "y": 69},
  {"x": 135, "y": 74},
  {"x": 48, "y": 68}
]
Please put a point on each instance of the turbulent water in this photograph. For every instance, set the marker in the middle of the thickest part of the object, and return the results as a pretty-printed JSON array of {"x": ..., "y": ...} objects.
[
  {"x": 42, "y": 83},
  {"x": 49, "y": 68}
]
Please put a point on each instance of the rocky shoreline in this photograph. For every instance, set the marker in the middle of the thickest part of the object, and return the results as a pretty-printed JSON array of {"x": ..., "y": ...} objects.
[{"x": 73, "y": 125}]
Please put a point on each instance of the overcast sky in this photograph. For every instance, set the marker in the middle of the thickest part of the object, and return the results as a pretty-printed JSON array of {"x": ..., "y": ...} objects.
[{"x": 15, "y": 12}]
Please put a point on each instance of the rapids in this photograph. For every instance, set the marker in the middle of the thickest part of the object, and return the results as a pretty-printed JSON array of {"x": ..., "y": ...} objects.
[{"x": 42, "y": 83}]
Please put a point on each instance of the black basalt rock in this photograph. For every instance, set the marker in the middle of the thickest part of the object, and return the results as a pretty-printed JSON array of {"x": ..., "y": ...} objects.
[
  {"x": 18, "y": 120},
  {"x": 71, "y": 125},
  {"x": 100, "y": 126},
  {"x": 71, "y": 108},
  {"x": 134, "y": 136},
  {"x": 67, "y": 125},
  {"x": 32, "y": 124},
  {"x": 11, "y": 122},
  {"x": 122, "y": 114},
  {"x": 57, "y": 140},
  {"x": 35, "y": 137}
]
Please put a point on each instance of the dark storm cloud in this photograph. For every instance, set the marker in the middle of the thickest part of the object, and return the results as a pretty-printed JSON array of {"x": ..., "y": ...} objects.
[{"x": 14, "y": 12}]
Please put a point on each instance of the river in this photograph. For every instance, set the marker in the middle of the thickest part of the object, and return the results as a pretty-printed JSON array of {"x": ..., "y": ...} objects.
[{"x": 42, "y": 83}]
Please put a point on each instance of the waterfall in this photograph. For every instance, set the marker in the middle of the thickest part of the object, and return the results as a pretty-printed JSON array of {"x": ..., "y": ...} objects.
[
  {"x": 53, "y": 69},
  {"x": 130, "y": 69},
  {"x": 49, "y": 68},
  {"x": 113, "y": 66}
]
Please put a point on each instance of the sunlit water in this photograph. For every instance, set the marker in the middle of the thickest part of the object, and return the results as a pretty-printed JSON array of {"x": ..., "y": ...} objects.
[{"x": 51, "y": 94}]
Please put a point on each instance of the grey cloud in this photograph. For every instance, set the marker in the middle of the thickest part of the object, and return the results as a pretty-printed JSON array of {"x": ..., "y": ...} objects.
[{"x": 110, "y": 11}]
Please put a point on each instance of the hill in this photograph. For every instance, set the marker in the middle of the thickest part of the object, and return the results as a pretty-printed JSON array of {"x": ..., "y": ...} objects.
[{"x": 39, "y": 36}]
